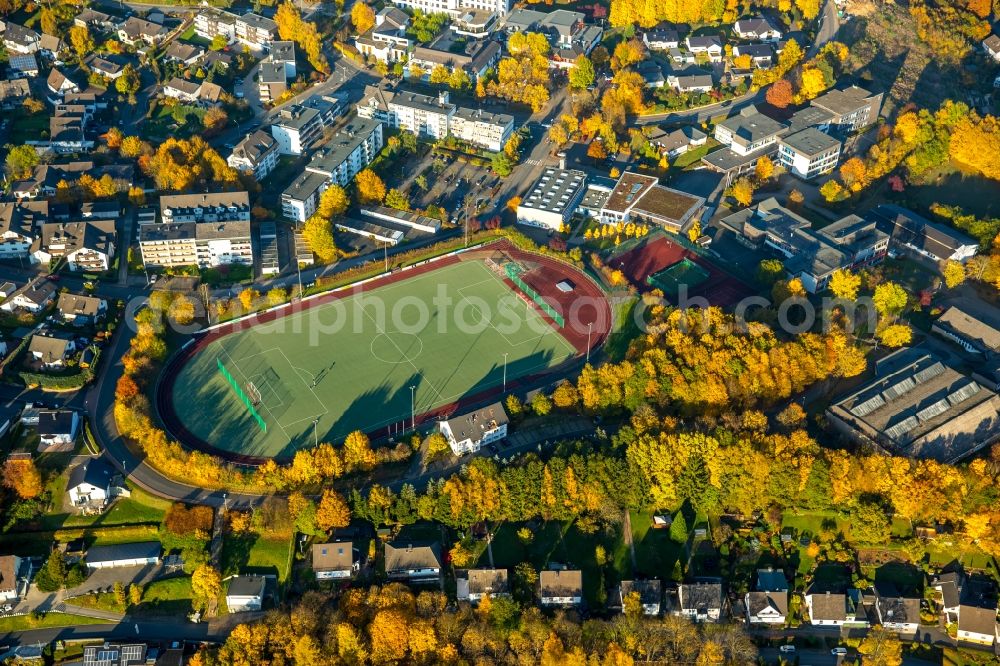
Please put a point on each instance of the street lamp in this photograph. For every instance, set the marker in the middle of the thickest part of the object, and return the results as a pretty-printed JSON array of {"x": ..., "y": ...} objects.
[
  {"x": 315, "y": 436},
  {"x": 505, "y": 372},
  {"x": 590, "y": 327},
  {"x": 413, "y": 408}
]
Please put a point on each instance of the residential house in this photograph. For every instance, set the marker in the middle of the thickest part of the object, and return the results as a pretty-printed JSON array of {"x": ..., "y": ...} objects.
[
  {"x": 475, "y": 23},
  {"x": 851, "y": 108},
  {"x": 651, "y": 73},
  {"x": 19, "y": 223},
  {"x": 89, "y": 484},
  {"x": 810, "y": 255},
  {"x": 13, "y": 92},
  {"x": 51, "y": 46},
  {"x": 977, "y": 624},
  {"x": 809, "y": 153},
  {"x": 203, "y": 93},
  {"x": 86, "y": 245},
  {"x": 59, "y": 84},
  {"x": 561, "y": 588},
  {"x": 298, "y": 126},
  {"x": 271, "y": 81},
  {"x": 949, "y": 584},
  {"x": 640, "y": 198},
  {"x": 707, "y": 46},
  {"x": 413, "y": 562},
  {"x": 468, "y": 433},
  {"x": 761, "y": 55},
  {"x": 22, "y": 66},
  {"x": 991, "y": 46},
  {"x": 33, "y": 297},
  {"x": 337, "y": 161},
  {"x": 334, "y": 561},
  {"x": 10, "y": 576},
  {"x": 552, "y": 200},
  {"x": 662, "y": 37},
  {"x": 975, "y": 332},
  {"x": 649, "y": 593},
  {"x": 245, "y": 593},
  {"x": 182, "y": 53},
  {"x": 387, "y": 41},
  {"x": 257, "y": 153},
  {"x": 896, "y": 613},
  {"x": 478, "y": 583},
  {"x": 918, "y": 236},
  {"x": 691, "y": 79},
  {"x": 678, "y": 141},
  {"x": 94, "y": 20},
  {"x": 117, "y": 654},
  {"x": 830, "y": 608},
  {"x": 18, "y": 39},
  {"x": 45, "y": 178},
  {"x": 58, "y": 427},
  {"x": 136, "y": 554},
  {"x": 757, "y": 27},
  {"x": 136, "y": 31},
  {"x": 67, "y": 129},
  {"x": 768, "y": 602},
  {"x": 700, "y": 602},
  {"x": 284, "y": 53},
  {"x": 919, "y": 406},
  {"x": 110, "y": 67},
  {"x": 570, "y": 35},
  {"x": 51, "y": 349},
  {"x": 78, "y": 310}
]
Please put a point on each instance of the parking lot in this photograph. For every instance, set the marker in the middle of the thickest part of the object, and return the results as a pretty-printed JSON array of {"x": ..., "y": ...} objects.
[{"x": 448, "y": 180}]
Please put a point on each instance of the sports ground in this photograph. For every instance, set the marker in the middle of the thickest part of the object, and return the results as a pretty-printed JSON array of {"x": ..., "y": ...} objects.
[{"x": 349, "y": 364}]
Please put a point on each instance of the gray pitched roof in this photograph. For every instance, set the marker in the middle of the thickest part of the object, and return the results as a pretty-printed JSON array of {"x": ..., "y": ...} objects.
[
  {"x": 94, "y": 471},
  {"x": 400, "y": 556}
]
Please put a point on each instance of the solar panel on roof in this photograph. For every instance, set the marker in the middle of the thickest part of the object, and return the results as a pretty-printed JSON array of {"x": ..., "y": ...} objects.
[
  {"x": 929, "y": 372},
  {"x": 936, "y": 409},
  {"x": 898, "y": 389},
  {"x": 964, "y": 393},
  {"x": 868, "y": 406},
  {"x": 903, "y": 427}
]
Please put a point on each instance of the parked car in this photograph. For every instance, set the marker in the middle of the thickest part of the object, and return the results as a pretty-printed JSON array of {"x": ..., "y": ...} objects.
[
  {"x": 839, "y": 651},
  {"x": 786, "y": 649}
]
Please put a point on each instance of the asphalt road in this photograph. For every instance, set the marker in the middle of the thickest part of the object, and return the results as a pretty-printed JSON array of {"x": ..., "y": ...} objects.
[{"x": 160, "y": 630}]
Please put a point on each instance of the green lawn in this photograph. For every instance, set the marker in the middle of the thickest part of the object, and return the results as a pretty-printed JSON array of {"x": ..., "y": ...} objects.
[
  {"x": 555, "y": 542},
  {"x": 655, "y": 552},
  {"x": 26, "y": 622},
  {"x": 167, "y": 597},
  {"x": 104, "y": 601},
  {"x": 694, "y": 155},
  {"x": 39, "y": 543},
  {"x": 30, "y": 127},
  {"x": 140, "y": 508},
  {"x": 255, "y": 554},
  {"x": 365, "y": 362}
]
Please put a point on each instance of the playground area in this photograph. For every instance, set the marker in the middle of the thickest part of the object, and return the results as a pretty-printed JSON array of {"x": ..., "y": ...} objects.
[
  {"x": 409, "y": 346},
  {"x": 660, "y": 263}
]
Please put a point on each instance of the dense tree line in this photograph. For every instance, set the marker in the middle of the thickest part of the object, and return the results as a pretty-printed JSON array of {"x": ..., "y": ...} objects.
[{"x": 392, "y": 624}]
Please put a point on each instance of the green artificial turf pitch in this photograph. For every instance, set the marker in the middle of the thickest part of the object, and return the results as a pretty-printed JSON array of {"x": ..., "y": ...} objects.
[
  {"x": 673, "y": 276},
  {"x": 349, "y": 364}
]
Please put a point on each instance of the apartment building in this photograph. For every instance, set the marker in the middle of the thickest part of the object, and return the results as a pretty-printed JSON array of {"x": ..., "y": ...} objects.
[
  {"x": 482, "y": 128},
  {"x": 809, "y": 153},
  {"x": 208, "y": 207},
  {"x": 206, "y": 244},
  {"x": 272, "y": 81},
  {"x": 299, "y": 126},
  {"x": 435, "y": 117},
  {"x": 87, "y": 245},
  {"x": 251, "y": 29},
  {"x": 455, "y": 8},
  {"x": 257, "y": 153},
  {"x": 350, "y": 150}
]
